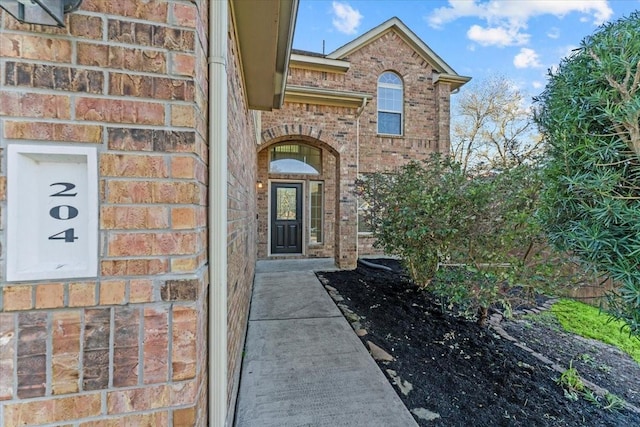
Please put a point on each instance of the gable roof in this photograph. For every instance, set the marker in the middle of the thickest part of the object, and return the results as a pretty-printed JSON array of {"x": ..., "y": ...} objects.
[{"x": 395, "y": 24}]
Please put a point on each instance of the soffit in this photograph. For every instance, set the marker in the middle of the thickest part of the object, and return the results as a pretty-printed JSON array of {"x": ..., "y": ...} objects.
[
  {"x": 265, "y": 34},
  {"x": 318, "y": 64},
  {"x": 320, "y": 96}
]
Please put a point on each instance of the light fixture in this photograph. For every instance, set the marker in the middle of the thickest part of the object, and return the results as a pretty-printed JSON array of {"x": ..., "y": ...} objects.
[
  {"x": 42, "y": 12},
  {"x": 259, "y": 183}
]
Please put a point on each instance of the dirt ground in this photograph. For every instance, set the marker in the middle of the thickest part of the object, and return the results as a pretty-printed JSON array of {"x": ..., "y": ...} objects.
[{"x": 452, "y": 372}]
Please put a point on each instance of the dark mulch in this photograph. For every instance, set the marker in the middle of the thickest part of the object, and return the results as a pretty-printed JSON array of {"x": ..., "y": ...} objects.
[{"x": 467, "y": 374}]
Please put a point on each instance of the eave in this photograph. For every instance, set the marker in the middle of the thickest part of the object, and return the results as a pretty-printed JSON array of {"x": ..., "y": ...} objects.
[
  {"x": 318, "y": 64},
  {"x": 456, "y": 81},
  {"x": 265, "y": 35},
  {"x": 319, "y": 96}
]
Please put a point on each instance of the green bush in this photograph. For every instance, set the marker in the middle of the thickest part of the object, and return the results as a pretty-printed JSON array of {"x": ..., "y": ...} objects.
[
  {"x": 589, "y": 114},
  {"x": 412, "y": 213},
  {"x": 432, "y": 214}
]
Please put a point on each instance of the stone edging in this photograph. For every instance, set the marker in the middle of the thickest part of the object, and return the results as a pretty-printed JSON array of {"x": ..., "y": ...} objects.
[{"x": 494, "y": 322}]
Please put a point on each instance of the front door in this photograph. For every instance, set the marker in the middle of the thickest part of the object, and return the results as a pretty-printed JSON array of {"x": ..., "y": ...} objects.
[{"x": 286, "y": 218}]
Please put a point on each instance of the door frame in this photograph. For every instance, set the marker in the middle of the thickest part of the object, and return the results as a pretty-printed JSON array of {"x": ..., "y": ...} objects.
[{"x": 304, "y": 217}]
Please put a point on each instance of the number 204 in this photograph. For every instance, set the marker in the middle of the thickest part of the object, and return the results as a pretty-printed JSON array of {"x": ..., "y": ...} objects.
[{"x": 64, "y": 212}]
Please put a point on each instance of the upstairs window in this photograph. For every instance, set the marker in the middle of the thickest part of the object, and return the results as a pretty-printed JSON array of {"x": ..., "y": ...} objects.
[
  {"x": 390, "y": 100},
  {"x": 295, "y": 158}
]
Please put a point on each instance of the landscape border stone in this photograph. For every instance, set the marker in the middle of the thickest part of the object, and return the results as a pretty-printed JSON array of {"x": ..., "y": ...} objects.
[{"x": 495, "y": 321}]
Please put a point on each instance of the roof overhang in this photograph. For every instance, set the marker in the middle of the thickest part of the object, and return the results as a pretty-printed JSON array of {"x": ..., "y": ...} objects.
[
  {"x": 265, "y": 35},
  {"x": 454, "y": 80},
  {"x": 318, "y": 64},
  {"x": 319, "y": 96}
]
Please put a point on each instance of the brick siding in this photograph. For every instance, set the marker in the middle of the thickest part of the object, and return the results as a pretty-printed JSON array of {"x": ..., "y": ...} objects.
[
  {"x": 128, "y": 347},
  {"x": 241, "y": 217},
  {"x": 334, "y": 129}
]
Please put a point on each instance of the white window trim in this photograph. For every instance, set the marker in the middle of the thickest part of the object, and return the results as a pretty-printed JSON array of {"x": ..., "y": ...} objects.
[
  {"x": 399, "y": 87},
  {"x": 321, "y": 242}
]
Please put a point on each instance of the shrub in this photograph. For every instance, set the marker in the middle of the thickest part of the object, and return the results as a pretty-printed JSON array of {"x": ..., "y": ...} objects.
[
  {"x": 589, "y": 114},
  {"x": 431, "y": 214}
]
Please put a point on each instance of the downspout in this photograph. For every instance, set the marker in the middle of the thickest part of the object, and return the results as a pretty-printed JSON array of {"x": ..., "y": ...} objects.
[
  {"x": 358, "y": 114},
  {"x": 217, "y": 212}
]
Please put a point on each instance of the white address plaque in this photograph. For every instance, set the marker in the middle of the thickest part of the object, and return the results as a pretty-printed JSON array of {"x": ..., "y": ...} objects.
[{"x": 52, "y": 204}]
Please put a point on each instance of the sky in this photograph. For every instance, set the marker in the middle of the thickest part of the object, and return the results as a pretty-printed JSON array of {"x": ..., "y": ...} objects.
[{"x": 516, "y": 39}]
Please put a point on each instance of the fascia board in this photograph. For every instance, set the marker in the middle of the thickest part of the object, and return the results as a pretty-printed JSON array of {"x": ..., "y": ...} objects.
[
  {"x": 318, "y": 64},
  {"x": 319, "y": 96}
]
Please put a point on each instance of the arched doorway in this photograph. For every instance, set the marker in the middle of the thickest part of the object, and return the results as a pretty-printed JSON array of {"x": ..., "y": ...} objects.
[{"x": 297, "y": 198}]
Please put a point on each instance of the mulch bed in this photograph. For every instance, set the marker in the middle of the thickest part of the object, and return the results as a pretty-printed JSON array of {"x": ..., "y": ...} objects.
[{"x": 469, "y": 375}]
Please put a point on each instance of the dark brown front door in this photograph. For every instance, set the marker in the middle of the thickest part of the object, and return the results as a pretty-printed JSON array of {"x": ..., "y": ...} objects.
[{"x": 286, "y": 218}]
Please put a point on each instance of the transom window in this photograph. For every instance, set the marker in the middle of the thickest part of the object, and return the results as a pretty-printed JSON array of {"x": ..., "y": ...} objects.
[
  {"x": 390, "y": 101},
  {"x": 295, "y": 158}
]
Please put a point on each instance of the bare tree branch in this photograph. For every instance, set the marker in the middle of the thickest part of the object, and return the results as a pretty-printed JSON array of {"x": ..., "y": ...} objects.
[{"x": 491, "y": 127}]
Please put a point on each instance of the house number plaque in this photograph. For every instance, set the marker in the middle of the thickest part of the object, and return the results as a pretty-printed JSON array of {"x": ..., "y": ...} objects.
[{"x": 52, "y": 212}]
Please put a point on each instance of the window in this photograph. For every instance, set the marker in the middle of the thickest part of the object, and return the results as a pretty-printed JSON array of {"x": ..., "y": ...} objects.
[
  {"x": 390, "y": 100},
  {"x": 295, "y": 158},
  {"x": 363, "y": 207},
  {"x": 315, "y": 205},
  {"x": 363, "y": 227}
]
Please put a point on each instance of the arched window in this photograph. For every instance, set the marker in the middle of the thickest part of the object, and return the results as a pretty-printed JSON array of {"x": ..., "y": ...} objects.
[
  {"x": 390, "y": 101},
  {"x": 295, "y": 158}
]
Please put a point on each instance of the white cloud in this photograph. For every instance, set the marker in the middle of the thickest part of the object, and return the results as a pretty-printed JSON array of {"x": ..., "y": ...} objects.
[
  {"x": 518, "y": 11},
  {"x": 458, "y": 9},
  {"x": 527, "y": 58},
  {"x": 346, "y": 19},
  {"x": 553, "y": 33},
  {"x": 564, "y": 51},
  {"x": 537, "y": 84},
  {"x": 511, "y": 17},
  {"x": 497, "y": 36}
]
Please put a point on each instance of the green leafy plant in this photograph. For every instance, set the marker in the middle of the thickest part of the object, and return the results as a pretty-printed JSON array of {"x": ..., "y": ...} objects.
[
  {"x": 470, "y": 239},
  {"x": 574, "y": 387},
  {"x": 591, "y": 397},
  {"x": 612, "y": 402},
  {"x": 589, "y": 114},
  {"x": 571, "y": 382}
]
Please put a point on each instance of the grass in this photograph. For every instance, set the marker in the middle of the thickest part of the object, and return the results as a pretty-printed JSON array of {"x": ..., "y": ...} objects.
[{"x": 589, "y": 322}]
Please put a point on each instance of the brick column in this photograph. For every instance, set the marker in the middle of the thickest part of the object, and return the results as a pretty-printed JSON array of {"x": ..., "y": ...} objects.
[{"x": 443, "y": 116}]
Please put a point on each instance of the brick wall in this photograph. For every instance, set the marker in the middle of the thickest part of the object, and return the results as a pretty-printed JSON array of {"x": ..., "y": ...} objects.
[
  {"x": 332, "y": 129},
  {"x": 241, "y": 216},
  {"x": 129, "y": 346},
  {"x": 327, "y": 177},
  {"x": 426, "y": 130}
]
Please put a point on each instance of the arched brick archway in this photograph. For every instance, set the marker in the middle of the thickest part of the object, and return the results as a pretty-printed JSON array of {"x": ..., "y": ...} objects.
[
  {"x": 303, "y": 132},
  {"x": 331, "y": 243}
]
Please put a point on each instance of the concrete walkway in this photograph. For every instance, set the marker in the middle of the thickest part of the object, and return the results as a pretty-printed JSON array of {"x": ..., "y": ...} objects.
[{"x": 303, "y": 364}]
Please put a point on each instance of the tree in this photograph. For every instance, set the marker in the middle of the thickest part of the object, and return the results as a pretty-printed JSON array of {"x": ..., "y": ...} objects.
[
  {"x": 589, "y": 114},
  {"x": 493, "y": 129}
]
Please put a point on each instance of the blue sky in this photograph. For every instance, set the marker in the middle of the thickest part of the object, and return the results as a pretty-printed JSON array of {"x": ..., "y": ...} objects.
[{"x": 518, "y": 39}]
